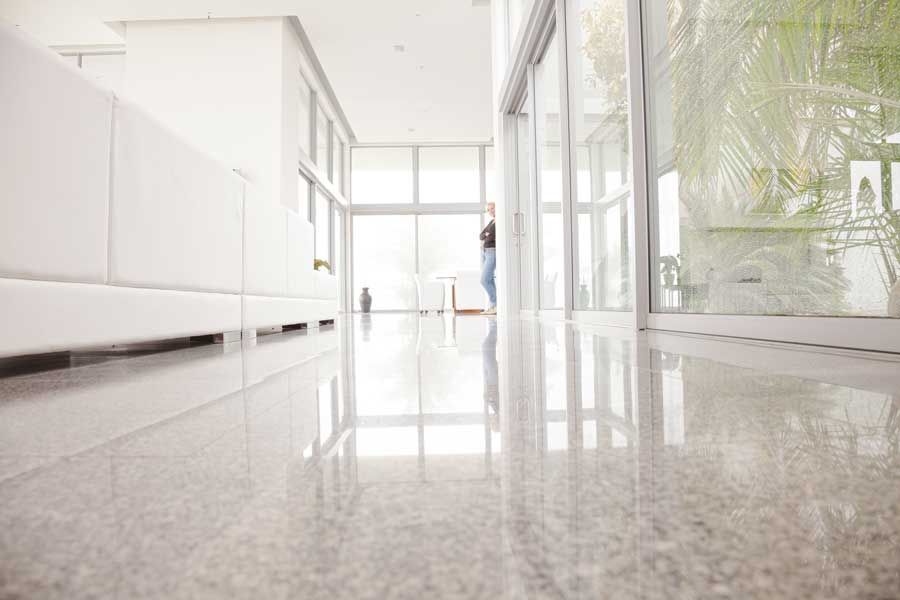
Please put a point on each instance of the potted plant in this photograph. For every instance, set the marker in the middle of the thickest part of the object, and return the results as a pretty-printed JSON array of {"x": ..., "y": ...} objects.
[{"x": 668, "y": 266}]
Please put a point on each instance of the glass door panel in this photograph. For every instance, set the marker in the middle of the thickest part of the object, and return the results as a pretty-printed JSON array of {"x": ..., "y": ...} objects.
[
  {"x": 603, "y": 148},
  {"x": 774, "y": 165},
  {"x": 524, "y": 217},
  {"x": 550, "y": 181}
]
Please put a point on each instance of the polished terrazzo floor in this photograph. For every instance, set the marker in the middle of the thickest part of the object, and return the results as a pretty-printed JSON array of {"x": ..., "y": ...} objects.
[{"x": 399, "y": 457}]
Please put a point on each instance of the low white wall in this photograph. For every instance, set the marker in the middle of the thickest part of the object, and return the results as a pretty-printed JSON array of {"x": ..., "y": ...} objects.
[
  {"x": 54, "y": 165},
  {"x": 175, "y": 213}
]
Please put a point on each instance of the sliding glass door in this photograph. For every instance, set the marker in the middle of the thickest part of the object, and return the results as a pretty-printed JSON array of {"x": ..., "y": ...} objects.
[
  {"x": 775, "y": 157},
  {"x": 551, "y": 290},
  {"x": 524, "y": 217},
  {"x": 602, "y": 161}
]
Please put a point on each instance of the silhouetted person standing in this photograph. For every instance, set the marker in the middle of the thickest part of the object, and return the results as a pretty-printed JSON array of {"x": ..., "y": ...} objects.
[{"x": 489, "y": 261}]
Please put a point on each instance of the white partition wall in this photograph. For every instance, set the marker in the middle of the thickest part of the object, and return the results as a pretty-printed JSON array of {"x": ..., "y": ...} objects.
[
  {"x": 176, "y": 214},
  {"x": 54, "y": 165}
]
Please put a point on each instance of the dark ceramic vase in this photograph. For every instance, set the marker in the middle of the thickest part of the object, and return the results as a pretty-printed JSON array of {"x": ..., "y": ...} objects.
[{"x": 365, "y": 300}]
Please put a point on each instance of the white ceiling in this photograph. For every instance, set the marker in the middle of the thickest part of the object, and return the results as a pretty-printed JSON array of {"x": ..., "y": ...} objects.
[{"x": 439, "y": 86}]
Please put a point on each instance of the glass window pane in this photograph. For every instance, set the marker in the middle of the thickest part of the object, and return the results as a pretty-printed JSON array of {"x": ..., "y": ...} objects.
[
  {"x": 490, "y": 174},
  {"x": 602, "y": 148},
  {"x": 384, "y": 260},
  {"x": 303, "y": 204},
  {"x": 448, "y": 244},
  {"x": 773, "y": 162},
  {"x": 449, "y": 175},
  {"x": 323, "y": 208},
  {"x": 335, "y": 160},
  {"x": 322, "y": 134},
  {"x": 337, "y": 175},
  {"x": 107, "y": 69},
  {"x": 338, "y": 233},
  {"x": 382, "y": 175},
  {"x": 386, "y": 345},
  {"x": 551, "y": 183},
  {"x": 305, "y": 117}
]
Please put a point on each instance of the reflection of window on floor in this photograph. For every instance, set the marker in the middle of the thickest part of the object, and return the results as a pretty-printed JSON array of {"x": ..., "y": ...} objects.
[
  {"x": 410, "y": 425},
  {"x": 673, "y": 408}
]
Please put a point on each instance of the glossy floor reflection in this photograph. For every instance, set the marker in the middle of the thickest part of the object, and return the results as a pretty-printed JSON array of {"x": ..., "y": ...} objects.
[{"x": 405, "y": 457}]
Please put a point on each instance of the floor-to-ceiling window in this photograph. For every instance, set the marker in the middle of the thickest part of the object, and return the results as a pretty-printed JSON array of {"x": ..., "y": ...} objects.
[
  {"x": 775, "y": 147},
  {"x": 448, "y": 244},
  {"x": 602, "y": 151},
  {"x": 550, "y": 182},
  {"x": 431, "y": 201},
  {"x": 490, "y": 175},
  {"x": 384, "y": 260}
]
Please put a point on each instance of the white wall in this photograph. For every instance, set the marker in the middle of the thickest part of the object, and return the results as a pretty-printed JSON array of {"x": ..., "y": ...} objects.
[
  {"x": 290, "y": 115},
  {"x": 228, "y": 86}
]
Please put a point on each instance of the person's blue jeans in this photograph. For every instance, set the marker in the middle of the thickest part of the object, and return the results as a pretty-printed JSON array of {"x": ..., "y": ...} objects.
[{"x": 488, "y": 268}]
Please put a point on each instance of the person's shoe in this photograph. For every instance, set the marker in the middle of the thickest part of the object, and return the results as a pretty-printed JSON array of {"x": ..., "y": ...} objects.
[{"x": 491, "y": 311}]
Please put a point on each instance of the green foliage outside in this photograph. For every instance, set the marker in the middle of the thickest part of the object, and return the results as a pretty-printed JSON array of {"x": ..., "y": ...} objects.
[{"x": 771, "y": 100}]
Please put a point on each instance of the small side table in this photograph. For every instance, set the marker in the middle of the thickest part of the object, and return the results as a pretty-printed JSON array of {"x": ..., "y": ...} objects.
[{"x": 452, "y": 280}]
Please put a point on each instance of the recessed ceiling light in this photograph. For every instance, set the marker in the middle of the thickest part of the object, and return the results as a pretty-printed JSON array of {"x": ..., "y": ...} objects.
[
  {"x": 411, "y": 129},
  {"x": 399, "y": 48}
]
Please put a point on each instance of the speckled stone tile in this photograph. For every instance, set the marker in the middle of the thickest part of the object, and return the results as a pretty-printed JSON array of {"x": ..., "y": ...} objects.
[{"x": 398, "y": 457}]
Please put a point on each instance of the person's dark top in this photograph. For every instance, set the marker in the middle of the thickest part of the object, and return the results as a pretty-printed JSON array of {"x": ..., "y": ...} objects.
[{"x": 487, "y": 236}]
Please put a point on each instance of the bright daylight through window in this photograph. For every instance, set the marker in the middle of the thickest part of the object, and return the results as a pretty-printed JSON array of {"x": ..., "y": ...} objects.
[{"x": 776, "y": 130}]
